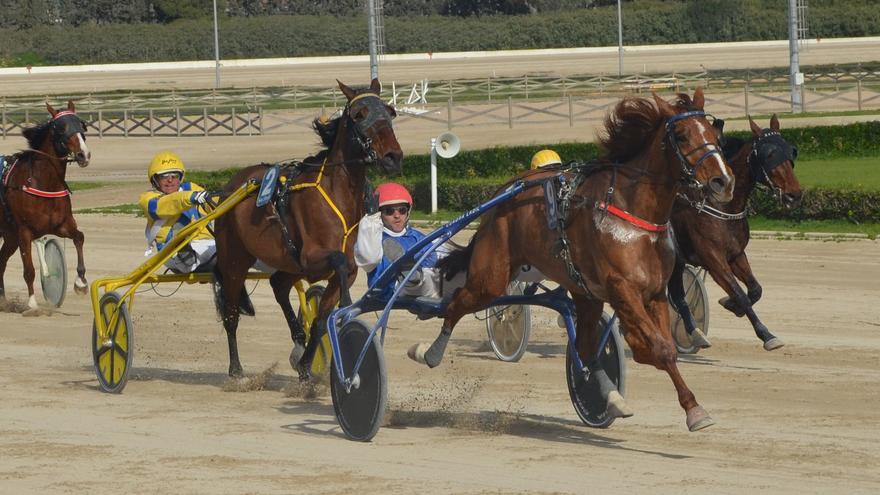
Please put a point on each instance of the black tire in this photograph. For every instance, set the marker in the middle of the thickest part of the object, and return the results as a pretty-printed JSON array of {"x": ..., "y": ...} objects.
[
  {"x": 361, "y": 410},
  {"x": 323, "y": 354},
  {"x": 53, "y": 277},
  {"x": 112, "y": 359},
  {"x": 697, "y": 300},
  {"x": 585, "y": 395},
  {"x": 509, "y": 326}
]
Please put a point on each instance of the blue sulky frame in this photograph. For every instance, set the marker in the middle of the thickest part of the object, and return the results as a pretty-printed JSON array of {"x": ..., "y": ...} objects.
[{"x": 556, "y": 299}]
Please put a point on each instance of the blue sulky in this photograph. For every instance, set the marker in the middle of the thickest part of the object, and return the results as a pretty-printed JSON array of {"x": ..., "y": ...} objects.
[{"x": 555, "y": 299}]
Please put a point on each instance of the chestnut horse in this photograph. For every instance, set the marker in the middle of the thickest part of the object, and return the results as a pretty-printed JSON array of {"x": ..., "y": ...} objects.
[
  {"x": 35, "y": 199},
  {"x": 310, "y": 233},
  {"x": 611, "y": 243},
  {"x": 715, "y": 237}
]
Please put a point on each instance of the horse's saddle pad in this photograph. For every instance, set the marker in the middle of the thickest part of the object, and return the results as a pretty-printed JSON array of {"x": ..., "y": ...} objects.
[
  {"x": 551, "y": 198},
  {"x": 267, "y": 186}
]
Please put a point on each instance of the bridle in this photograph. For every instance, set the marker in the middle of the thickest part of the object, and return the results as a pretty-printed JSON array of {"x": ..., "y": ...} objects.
[
  {"x": 770, "y": 150},
  {"x": 377, "y": 113},
  {"x": 688, "y": 169},
  {"x": 64, "y": 125}
]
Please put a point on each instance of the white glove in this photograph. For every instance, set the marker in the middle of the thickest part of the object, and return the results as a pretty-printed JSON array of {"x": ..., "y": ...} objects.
[
  {"x": 368, "y": 246},
  {"x": 200, "y": 197}
]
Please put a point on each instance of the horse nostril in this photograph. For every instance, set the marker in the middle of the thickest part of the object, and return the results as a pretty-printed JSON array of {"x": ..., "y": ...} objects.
[{"x": 718, "y": 184}]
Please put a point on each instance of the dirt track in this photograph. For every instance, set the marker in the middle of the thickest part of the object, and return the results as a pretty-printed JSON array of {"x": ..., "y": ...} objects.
[{"x": 799, "y": 420}]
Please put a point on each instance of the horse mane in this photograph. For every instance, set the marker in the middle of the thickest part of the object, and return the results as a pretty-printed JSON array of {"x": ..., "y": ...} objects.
[
  {"x": 732, "y": 145},
  {"x": 629, "y": 122},
  {"x": 328, "y": 128},
  {"x": 35, "y": 135}
]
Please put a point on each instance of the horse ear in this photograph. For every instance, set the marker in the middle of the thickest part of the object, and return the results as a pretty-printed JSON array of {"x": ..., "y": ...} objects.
[
  {"x": 51, "y": 110},
  {"x": 756, "y": 129},
  {"x": 666, "y": 110},
  {"x": 698, "y": 99},
  {"x": 375, "y": 86},
  {"x": 71, "y": 106},
  {"x": 774, "y": 123},
  {"x": 348, "y": 92}
]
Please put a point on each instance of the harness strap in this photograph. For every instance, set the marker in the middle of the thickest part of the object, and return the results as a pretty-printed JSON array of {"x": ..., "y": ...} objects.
[
  {"x": 317, "y": 185},
  {"x": 629, "y": 217},
  {"x": 566, "y": 190},
  {"x": 702, "y": 207},
  {"x": 45, "y": 194}
]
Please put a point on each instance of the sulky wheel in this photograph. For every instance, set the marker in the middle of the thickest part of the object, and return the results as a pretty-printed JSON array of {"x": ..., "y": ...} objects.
[
  {"x": 360, "y": 410},
  {"x": 53, "y": 273},
  {"x": 323, "y": 354},
  {"x": 112, "y": 358},
  {"x": 585, "y": 395},
  {"x": 509, "y": 326},
  {"x": 697, "y": 300}
]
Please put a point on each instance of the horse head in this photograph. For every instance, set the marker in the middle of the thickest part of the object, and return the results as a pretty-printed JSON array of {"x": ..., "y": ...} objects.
[
  {"x": 696, "y": 143},
  {"x": 771, "y": 163},
  {"x": 370, "y": 122},
  {"x": 68, "y": 134}
]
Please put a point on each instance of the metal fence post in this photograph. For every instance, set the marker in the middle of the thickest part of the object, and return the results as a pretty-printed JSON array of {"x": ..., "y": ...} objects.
[
  {"x": 260, "y": 116},
  {"x": 295, "y": 97},
  {"x": 234, "y": 123},
  {"x": 27, "y": 116},
  {"x": 449, "y": 113},
  {"x": 527, "y": 86},
  {"x": 489, "y": 88},
  {"x": 205, "y": 120},
  {"x": 510, "y": 112},
  {"x": 859, "y": 89},
  {"x": 100, "y": 119},
  {"x": 151, "y": 123},
  {"x": 570, "y": 112},
  {"x": 125, "y": 122},
  {"x": 3, "y": 126},
  {"x": 746, "y": 96},
  {"x": 177, "y": 114}
]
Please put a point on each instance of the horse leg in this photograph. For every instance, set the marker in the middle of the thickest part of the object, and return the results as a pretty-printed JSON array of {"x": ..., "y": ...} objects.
[
  {"x": 743, "y": 271},
  {"x": 10, "y": 245},
  {"x": 337, "y": 292},
  {"x": 281, "y": 283},
  {"x": 71, "y": 231},
  {"x": 487, "y": 279},
  {"x": 651, "y": 342},
  {"x": 738, "y": 300},
  {"x": 589, "y": 312},
  {"x": 676, "y": 291},
  {"x": 25, "y": 238}
]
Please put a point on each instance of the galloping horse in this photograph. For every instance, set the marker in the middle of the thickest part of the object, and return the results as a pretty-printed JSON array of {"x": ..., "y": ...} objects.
[
  {"x": 716, "y": 237},
  {"x": 611, "y": 242},
  {"x": 35, "y": 197},
  {"x": 309, "y": 232}
]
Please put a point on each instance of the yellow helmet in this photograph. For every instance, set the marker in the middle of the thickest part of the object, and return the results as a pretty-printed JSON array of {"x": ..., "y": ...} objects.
[
  {"x": 544, "y": 158},
  {"x": 164, "y": 162}
]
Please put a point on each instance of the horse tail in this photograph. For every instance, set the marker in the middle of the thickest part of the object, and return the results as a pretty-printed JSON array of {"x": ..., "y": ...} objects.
[{"x": 456, "y": 261}]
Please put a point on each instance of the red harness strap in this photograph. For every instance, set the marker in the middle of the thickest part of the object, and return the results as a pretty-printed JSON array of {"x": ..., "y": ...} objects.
[
  {"x": 629, "y": 217},
  {"x": 45, "y": 194}
]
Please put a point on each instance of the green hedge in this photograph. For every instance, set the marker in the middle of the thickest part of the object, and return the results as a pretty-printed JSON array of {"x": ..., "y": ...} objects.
[{"x": 645, "y": 22}]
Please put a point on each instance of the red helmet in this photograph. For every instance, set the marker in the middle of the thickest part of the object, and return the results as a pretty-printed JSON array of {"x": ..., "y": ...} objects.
[{"x": 392, "y": 193}]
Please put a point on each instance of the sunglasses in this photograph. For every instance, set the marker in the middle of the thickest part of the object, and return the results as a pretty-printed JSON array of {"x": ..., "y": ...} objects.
[
  {"x": 169, "y": 175},
  {"x": 389, "y": 210}
]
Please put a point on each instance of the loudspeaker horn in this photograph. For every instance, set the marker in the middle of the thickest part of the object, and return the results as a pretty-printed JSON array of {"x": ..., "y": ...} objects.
[{"x": 447, "y": 145}]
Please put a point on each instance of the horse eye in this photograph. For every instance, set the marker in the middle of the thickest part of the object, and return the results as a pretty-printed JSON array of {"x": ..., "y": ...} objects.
[{"x": 680, "y": 138}]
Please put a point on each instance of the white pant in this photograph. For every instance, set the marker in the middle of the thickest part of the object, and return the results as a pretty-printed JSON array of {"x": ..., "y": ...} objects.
[{"x": 187, "y": 260}]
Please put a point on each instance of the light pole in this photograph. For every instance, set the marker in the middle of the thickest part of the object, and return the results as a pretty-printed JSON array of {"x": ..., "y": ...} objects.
[
  {"x": 619, "y": 39},
  {"x": 371, "y": 33},
  {"x": 794, "y": 72},
  {"x": 216, "y": 50}
]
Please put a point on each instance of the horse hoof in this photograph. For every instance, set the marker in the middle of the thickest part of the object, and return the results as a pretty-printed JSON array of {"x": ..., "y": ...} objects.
[
  {"x": 417, "y": 352},
  {"x": 236, "y": 372},
  {"x": 296, "y": 354},
  {"x": 731, "y": 305},
  {"x": 80, "y": 287},
  {"x": 698, "y": 418},
  {"x": 617, "y": 407},
  {"x": 699, "y": 339},
  {"x": 773, "y": 344}
]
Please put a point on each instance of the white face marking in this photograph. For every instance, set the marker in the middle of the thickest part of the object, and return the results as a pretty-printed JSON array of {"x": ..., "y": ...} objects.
[
  {"x": 712, "y": 147},
  {"x": 83, "y": 147}
]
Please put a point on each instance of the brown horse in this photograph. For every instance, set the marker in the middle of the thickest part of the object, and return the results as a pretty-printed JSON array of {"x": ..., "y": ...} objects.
[
  {"x": 715, "y": 237},
  {"x": 309, "y": 233},
  {"x": 35, "y": 199},
  {"x": 611, "y": 243}
]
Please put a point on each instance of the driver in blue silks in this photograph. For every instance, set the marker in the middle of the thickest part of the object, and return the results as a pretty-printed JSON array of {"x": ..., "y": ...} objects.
[{"x": 384, "y": 236}]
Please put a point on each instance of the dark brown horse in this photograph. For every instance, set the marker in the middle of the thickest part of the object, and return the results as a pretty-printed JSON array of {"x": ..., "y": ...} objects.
[
  {"x": 310, "y": 232},
  {"x": 35, "y": 198},
  {"x": 612, "y": 242},
  {"x": 715, "y": 236}
]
